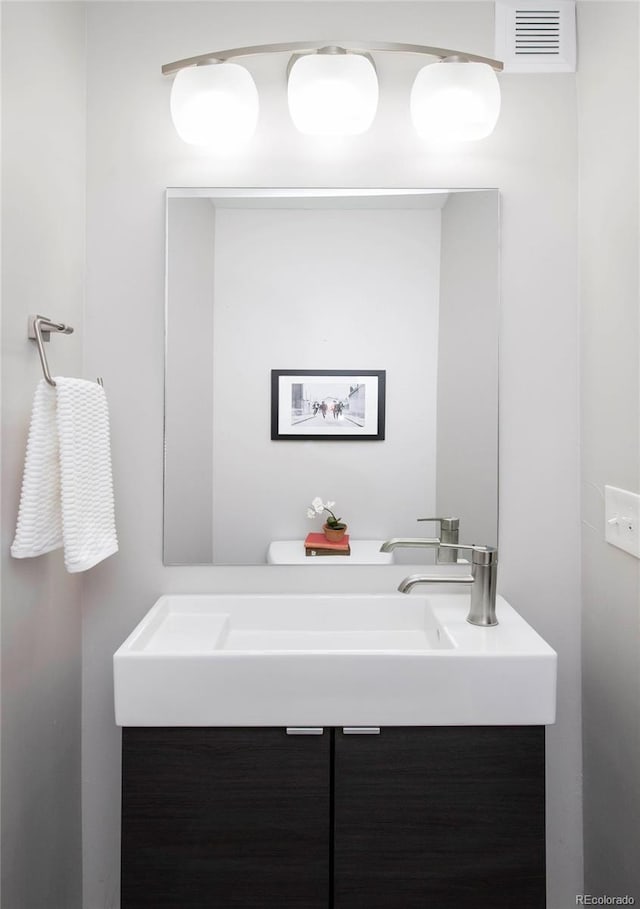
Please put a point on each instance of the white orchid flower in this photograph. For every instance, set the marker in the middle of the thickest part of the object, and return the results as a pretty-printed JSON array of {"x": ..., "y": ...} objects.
[{"x": 318, "y": 506}]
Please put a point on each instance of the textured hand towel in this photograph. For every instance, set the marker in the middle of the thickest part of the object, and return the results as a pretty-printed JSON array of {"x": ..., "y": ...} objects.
[
  {"x": 67, "y": 489},
  {"x": 39, "y": 527}
]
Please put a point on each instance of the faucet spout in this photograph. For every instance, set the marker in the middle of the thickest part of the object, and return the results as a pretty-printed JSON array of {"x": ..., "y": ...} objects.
[
  {"x": 419, "y": 542},
  {"x": 410, "y": 582}
]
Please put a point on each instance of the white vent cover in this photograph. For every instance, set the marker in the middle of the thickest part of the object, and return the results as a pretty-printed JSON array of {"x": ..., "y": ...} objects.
[{"x": 536, "y": 37}]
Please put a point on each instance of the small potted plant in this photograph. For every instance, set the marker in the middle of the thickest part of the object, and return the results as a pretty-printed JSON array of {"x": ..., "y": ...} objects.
[{"x": 334, "y": 528}]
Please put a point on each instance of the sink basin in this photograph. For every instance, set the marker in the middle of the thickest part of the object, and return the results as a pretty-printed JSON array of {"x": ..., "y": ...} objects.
[
  {"x": 375, "y": 659},
  {"x": 294, "y": 624}
]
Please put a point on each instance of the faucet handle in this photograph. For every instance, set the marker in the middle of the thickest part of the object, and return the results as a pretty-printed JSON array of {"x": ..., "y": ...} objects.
[
  {"x": 449, "y": 532},
  {"x": 445, "y": 523},
  {"x": 480, "y": 555}
]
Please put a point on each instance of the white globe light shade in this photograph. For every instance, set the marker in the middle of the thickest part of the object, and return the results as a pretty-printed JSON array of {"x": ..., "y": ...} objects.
[
  {"x": 453, "y": 100},
  {"x": 215, "y": 105},
  {"x": 333, "y": 94}
]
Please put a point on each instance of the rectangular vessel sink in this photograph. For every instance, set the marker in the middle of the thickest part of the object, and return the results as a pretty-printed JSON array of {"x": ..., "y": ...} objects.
[
  {"x": 263, "y": 660},
  {"x": 202, "y": 625}
]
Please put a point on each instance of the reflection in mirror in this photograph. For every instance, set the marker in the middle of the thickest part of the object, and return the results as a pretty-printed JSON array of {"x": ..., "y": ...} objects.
[{"x": 404, "y": 281}]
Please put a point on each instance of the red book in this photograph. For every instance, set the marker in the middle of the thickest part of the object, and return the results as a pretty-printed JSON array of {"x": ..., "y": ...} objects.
[{"x": 319, "y": 541}]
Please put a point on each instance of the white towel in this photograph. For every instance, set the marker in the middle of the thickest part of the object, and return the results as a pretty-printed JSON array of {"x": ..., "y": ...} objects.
[{"x": 67, "y": 489}]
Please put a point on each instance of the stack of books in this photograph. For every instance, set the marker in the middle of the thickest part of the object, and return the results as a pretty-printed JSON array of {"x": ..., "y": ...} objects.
[{"x": 316, "y": 544}]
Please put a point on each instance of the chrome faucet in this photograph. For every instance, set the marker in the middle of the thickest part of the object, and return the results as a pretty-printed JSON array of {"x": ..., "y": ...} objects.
[
  {"x": 413, "y": 542},
  {"x": 484, "y": 568},
  {"x": 449, "y": 529}
]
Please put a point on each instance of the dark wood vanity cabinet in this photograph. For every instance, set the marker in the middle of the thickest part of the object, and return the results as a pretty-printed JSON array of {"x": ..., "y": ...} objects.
[
  {"x": 411, "y": 818},
  {"x": 445, "y": 817},
  {"x": 225, "y": 818}
]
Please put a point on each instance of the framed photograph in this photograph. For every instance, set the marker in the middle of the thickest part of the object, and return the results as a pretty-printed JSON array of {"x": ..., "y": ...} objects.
[{"x": 327, "y": 404}]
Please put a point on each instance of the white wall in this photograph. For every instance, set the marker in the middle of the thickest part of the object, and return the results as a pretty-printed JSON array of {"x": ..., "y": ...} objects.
[
  {"x": 322, "y": 289},
  {"x": 608, "y": 104},
  {"x": 133, "y": 154},
  {"x": 468, "y": 365},
  {"x": 43, "y": 185},
  {"x": 188, "y": 494}
]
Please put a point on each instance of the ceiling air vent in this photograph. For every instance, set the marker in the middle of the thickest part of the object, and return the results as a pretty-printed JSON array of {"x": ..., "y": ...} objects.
[{"x": 536, "y": 37}]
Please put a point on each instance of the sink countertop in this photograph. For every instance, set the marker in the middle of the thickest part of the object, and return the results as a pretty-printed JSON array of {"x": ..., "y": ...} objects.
[{"x": 331, "y": 660}]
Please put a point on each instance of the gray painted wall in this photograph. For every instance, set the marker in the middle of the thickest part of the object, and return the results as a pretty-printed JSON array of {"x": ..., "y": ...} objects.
[
  {"x": 43, "y": 185},
  {"x": 133, "y": 154},
  {"x": 609, "y": 236},
  {"x": 468, "y": 365},
  {"x": 188, "y": 526},
  {"x": 305, "y": 289}
]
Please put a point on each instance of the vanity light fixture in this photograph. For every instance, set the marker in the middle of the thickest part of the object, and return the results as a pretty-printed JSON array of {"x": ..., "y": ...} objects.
[
  {"x": 332, "y": 91},
  {"x": 215, "y": 105},
  {"x": 455, "y": 99}
]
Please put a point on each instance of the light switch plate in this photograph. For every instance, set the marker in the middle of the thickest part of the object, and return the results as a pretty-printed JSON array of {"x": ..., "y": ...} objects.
[{"x": 622, "y": 519}]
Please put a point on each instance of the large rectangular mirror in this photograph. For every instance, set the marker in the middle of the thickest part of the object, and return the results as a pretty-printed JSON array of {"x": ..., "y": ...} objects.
[{"x": 400, "y": 281}]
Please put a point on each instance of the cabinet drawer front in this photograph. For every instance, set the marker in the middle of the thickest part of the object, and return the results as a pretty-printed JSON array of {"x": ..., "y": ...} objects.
[
  {"x": 225, "y": 818},
  {"x": 440, "y": 818}
]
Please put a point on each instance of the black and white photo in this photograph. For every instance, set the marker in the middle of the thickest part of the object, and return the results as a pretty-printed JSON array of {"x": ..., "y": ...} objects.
[{"x": 327, "y": 404}]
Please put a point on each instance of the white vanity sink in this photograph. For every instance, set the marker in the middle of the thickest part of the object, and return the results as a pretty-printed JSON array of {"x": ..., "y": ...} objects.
[{"x": 331, "y": 660}]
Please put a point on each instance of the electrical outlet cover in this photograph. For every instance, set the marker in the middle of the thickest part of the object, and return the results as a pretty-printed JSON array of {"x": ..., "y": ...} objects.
[{"x": 622, "y": 519}]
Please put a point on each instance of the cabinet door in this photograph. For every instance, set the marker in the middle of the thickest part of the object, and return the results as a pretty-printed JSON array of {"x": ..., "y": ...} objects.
[
  {"x": 225, "y": 818},
  {"x": 440, "y": 818}
]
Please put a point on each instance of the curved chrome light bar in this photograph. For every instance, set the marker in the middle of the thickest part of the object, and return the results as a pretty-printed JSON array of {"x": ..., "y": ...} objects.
[
  {"x": 309, "y": 47},
  {"x": 332, "y": 89}
]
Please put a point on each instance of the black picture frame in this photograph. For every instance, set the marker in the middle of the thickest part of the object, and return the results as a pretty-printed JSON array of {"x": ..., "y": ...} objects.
[{"x": 354, "y": 399}]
